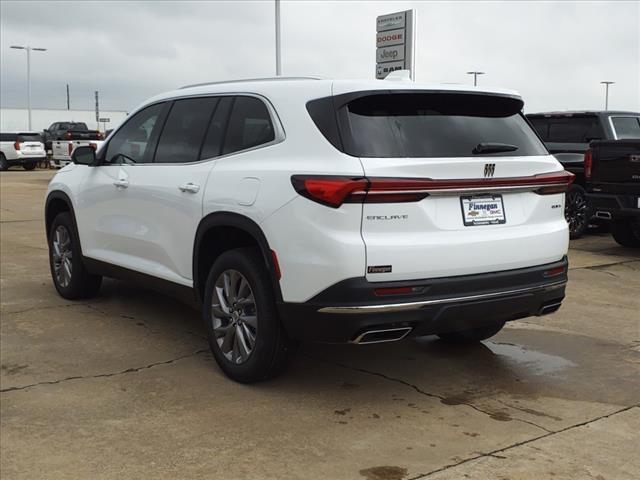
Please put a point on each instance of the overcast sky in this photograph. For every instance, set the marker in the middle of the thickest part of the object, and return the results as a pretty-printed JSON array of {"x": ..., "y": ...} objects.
[{"x": 555, "y": 53}]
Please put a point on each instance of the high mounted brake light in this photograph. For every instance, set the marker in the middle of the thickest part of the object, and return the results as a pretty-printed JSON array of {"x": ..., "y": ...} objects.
[{"x": 333, "y": 191}]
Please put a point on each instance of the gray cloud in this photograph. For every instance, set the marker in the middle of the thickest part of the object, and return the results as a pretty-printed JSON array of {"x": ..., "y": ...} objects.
[{"x": 554, "y": 53}]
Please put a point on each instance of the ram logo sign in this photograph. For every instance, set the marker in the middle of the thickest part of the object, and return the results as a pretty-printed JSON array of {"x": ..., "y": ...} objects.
[{"x": 394, "y": 43}]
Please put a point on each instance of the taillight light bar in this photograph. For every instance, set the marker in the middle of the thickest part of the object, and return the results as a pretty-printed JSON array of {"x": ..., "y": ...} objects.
[{"x": 333, "y": 191}]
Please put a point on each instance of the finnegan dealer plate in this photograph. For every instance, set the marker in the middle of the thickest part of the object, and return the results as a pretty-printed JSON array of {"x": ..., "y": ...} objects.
[{"x": 482, "y": 210}]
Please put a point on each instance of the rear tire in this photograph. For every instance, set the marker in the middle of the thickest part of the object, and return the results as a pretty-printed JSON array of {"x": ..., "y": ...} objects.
[
  {"x": 473, "y": 335},
  {"x": 577, "y": 211},
  {"x": 30, "y": 166},
  {"x": 626, "y": 232},
  {"x": 70, "y": 277},
  {"x": 4, "y": 165},
  {"x": 245, "y": 334}
]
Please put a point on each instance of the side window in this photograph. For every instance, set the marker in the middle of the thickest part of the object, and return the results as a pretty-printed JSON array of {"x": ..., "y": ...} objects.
[
  {"x": 133, "y": 143},
  {"x": 626, "y": 127},
  {"x": 249, "y": 125},
  {"x": 184, "y": 131},
  {"x": 212, "y": 146}
]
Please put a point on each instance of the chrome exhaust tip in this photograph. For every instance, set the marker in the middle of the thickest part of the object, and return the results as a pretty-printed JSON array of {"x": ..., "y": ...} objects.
[
  {"x": 382, "y": 335},
  {"x": 603, "y": 215},
  {"x": 547, "y": 309}
]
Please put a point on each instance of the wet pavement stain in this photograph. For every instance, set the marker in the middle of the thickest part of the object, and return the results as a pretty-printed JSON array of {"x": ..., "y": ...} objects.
[
  {"x": 384, "y": 473},
  {"x": 537, "y": 363},
  {"x": 342, "y": 412}
]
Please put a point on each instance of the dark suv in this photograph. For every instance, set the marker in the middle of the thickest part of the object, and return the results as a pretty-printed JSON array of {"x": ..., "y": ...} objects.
[{"x": 567, "y": 135}]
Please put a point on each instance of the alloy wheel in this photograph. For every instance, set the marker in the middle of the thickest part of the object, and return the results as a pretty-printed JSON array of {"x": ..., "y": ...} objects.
[
  {"x": 62, "y": 256},
  {"x": 576, "y": 211},
  {"x": 234, "y": 316}
]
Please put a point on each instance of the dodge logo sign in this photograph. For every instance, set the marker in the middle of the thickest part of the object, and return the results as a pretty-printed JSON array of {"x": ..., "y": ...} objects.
[{"x": 489, "y": 170}]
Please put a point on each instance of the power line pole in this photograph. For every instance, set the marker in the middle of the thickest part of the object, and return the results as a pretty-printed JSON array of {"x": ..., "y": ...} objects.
[
  {"x": 28, "y": 49},
  {"x": 475, "y": 77},
  {"x": 278, "y": 56},
  {"x": 68, "y": 100},
  {"x": 606, "y": 94}
]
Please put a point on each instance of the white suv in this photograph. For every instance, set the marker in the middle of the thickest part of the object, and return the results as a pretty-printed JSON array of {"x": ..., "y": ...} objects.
[
  {"x": 21, "y": 148},
  {"x": 309, "y": 209}
]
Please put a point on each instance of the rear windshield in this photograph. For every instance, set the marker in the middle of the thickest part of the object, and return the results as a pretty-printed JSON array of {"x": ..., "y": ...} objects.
[
  {"x": 626, "y": 127},
  {"x": 568, "y": 129},
  {"x": 425, "y": 124},
  {"x": 29, "y": 137},
  {"x": 73, "y": 126}
]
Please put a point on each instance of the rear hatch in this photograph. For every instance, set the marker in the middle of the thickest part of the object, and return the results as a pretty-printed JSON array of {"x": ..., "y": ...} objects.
[
  {"x": 459, "y": 184},
  {"x": 30, "y": 144}
]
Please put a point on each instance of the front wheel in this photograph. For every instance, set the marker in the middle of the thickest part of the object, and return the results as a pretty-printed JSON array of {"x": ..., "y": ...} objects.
[
  {"x": 70, "y": 277},
  {"x": 577, "y": 211},
  {"x": 626, "y": 232},
  {"x": 472, "y": 335},
  {"x": 244, "y": 331}
]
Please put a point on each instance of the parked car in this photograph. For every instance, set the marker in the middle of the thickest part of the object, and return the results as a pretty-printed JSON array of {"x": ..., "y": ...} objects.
[
  {"x": 567, "y": 135},
  {"x": 69, "y": 131},
  {"x": 320, "y": 210},
  {"x": 21, "y": 148},
  {"x": 612, "y": 170}
]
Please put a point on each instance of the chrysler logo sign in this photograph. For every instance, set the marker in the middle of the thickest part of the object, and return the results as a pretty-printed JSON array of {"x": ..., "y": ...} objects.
[{"x": 489, "y": 170}]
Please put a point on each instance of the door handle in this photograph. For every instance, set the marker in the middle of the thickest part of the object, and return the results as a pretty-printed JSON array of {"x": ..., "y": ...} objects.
[
  {"x": 189, "y": 187},
  {"x": 121, "y": 183}
]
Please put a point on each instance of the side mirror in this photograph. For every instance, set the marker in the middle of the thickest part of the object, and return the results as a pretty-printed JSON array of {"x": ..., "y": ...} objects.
[{"x": 84, "y": 155}]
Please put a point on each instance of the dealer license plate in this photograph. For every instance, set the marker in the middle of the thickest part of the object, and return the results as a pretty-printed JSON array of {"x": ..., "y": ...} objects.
[{"x": 482, "y": 210}]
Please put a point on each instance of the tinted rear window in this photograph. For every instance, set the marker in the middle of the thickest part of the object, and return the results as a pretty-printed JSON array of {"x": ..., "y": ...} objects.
[
  {"x": 436, "y": 125},
  {"x": 626, "y": 127},
  {"x": 568, "y": 129},
  {"x": 29, "y": 137}
]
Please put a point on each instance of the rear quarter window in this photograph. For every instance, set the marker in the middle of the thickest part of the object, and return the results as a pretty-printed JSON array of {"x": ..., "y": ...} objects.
[{"x": 626, "y": 127}]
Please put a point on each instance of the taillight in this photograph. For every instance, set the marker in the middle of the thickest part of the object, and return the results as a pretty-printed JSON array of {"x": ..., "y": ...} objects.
[
  {"x": 99, "y": 135},
  {"x": 588, "y": 164},
  {"x": 70, "y": 148},
  {"x": 93, "y": 145},
  {"x": 333, "y": 191},
  {"x": 330, "y": 191},
  {"x": 16, "y": 145}
]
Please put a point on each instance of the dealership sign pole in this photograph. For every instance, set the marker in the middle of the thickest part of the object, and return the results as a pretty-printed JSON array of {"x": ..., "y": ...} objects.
[{"x": 395, "y": 43}]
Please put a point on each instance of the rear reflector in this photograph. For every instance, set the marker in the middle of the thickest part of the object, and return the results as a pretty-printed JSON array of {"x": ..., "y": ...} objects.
[
  {"x": 382, "y": 292},
  {"x": 276, "y": 265},
  {"x": 554, "y": 272},
  {"x": 333, "y": 191}
]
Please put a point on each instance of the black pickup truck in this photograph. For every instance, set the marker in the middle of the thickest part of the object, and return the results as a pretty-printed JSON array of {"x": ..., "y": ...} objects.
[
  {"x": 612, "y": 172},
  {"x": 567, "y": 135},
  {"x": 69, "y": 131}
]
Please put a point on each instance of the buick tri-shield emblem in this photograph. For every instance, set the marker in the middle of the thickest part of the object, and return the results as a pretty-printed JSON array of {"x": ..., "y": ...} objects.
[{"x": 489, "y": 169}]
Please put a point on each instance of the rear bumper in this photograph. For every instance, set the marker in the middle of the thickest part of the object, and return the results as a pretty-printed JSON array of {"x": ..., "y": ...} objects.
[
  {"x": 616, "y": 205},
  {"x": 343, "y": 312},
  {"x": 24, "y": 160}
]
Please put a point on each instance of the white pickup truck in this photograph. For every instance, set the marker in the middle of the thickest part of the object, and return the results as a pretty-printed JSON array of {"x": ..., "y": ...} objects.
[{"x": 61, "y": 150}]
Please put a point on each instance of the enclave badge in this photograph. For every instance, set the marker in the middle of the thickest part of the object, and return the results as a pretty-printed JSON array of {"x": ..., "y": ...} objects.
[{"x": 489, "y": 169}]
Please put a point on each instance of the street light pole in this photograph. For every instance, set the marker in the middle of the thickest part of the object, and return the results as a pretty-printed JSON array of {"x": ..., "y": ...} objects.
[
  {"x": 28, "y": 49},
  {"x": 475, "y": 77},
  {"x": 606, "y": 94},
  {"x": 278, "y": 59}
]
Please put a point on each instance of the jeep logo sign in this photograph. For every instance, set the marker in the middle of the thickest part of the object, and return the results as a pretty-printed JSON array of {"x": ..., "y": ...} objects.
[{"x": 394, "y": 43}]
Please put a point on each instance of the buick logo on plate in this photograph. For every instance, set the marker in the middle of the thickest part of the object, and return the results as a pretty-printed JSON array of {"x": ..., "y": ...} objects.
[{"x": 489, "y": 169}]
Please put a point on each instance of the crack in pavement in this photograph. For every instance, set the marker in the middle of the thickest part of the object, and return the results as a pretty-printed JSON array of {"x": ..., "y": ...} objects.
[
  {"x": 604, "y": 265},
  {"x": 425, "y": 393},
  {"x": 20, "y": 221},
  {"x": 102, "y": 375},
  {"x": 493, "y": 453}
]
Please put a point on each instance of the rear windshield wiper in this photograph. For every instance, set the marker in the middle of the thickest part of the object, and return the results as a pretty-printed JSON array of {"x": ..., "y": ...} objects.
[{"x": 493, "y": 148}]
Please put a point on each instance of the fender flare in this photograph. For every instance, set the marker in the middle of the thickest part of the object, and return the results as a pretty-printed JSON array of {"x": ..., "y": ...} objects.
[{"x": 241, "y": 222}]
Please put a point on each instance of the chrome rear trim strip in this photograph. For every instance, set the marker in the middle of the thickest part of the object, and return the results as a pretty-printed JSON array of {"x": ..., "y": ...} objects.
[{"x": 403, "y": 307}]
